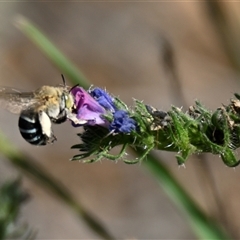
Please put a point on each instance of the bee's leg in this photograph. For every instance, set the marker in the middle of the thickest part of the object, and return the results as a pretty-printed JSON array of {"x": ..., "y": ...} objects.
[
  {"x": 62, "y": 117},
  {"x": 52, "y": 139},
  {"x": 73, "y": 117},
  {"x": 46, "y": 125}
]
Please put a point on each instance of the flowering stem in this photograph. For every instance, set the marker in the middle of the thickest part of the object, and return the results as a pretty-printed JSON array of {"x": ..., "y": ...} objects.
[{"x": 196, "y": 131}]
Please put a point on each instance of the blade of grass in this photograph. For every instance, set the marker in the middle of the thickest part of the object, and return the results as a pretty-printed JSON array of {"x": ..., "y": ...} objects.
[
  {"x": 40, "y": 175},
  {"x": 201, "y": 224},
  {"x": 50, "y": 51}
]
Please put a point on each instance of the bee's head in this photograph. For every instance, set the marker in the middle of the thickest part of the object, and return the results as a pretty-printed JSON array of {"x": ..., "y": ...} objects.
[{"x": 68, "y": 100}]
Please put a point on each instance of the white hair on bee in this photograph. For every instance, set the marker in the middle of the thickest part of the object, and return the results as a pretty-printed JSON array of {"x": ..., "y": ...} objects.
[{"x": 45, "y": 124}]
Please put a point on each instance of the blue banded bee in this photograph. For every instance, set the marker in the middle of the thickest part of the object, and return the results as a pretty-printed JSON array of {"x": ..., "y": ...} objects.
[
  {"x": 38, "y": 110},
  {"x": 159, "y": 120}
]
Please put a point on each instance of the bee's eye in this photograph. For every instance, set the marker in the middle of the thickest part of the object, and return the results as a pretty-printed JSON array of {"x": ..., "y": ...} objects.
[{"x": 68, "y": 101}]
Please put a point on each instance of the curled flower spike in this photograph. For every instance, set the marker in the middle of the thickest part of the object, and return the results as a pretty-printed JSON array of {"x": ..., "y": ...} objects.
[
  {"x": 110, "y": 123},
  {"x": 87, "y": 108}
]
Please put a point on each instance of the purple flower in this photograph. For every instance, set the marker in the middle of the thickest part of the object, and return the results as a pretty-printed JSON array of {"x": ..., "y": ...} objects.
[
  {"x": 87, "y": 108},
  {"x": 122, "y": 122},
  {"x": 91, "y": 108},
  {"x": 104, "y": 99}
]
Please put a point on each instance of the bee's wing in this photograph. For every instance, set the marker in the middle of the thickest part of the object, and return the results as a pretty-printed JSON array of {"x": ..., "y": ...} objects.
[{"x": 16, "y": 101}]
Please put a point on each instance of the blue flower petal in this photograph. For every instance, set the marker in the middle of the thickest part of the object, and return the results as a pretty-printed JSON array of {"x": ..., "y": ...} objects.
[
  {"x": 104, "y": 99},
  {"x": 122, "y": 122}
]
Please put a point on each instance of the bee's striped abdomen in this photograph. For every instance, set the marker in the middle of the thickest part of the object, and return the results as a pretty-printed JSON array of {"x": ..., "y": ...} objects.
[{"x": 30, "y": 128}]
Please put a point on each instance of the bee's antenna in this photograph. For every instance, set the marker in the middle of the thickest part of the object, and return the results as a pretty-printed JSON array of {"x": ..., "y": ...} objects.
[
  {"x": 64, "y": 81},
  {"x": 73, "y": 87}
]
